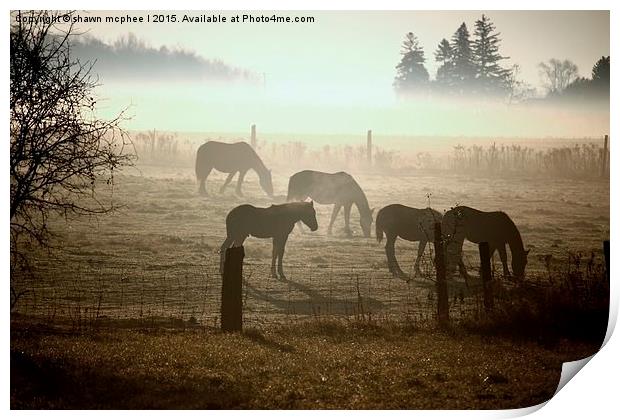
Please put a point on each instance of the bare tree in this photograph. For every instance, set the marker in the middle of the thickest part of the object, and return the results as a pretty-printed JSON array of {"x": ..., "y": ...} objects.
[
  {"x": 60, "y": 150},
  {"x": 557, "y": 74},
  {"x": 518, "y": 89}
]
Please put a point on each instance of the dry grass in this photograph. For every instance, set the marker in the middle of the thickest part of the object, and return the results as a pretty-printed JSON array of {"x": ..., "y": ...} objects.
[{"x": 306, "y": 365}]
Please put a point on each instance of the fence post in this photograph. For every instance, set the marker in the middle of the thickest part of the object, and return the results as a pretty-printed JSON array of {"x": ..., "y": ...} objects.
[
  {"x": 604, "y": 157},
  {"x": 231, "y": 309},
  {"x": 253, "y": 137},
  {"x": 443, "y": 315},
  {"x": 485, "y": 273},
  {"x": 369, "y": 148}
]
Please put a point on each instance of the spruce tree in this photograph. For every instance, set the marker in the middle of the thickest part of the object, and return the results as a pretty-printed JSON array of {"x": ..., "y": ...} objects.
[
  {"x": 443, "y": 55},
  {"x": 411, "y": 75},
  {"x": 490, "y": 76},
  {"x": 463, "y": 69}
]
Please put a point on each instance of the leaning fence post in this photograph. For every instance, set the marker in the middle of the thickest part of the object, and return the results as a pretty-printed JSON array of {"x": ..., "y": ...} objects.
[
  {"x": 442, "y": 286},
  {"x": 231, "y": 309},
  {"x": 253, "y": 137},
  {"x": 485, "y": 273}
]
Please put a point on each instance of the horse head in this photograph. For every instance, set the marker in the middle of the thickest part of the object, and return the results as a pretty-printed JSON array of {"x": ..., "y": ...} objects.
[
  {"x": 265, "y": 183},
  {"x": 518, "y": 264},
  {"x": 366, "y": 222},
  {"x": 308, "y": 216}
]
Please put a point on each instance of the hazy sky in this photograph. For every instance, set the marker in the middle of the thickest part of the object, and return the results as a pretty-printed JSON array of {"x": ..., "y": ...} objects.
[
  {"x": 352, "y": 47},
  {"x": 347, "y": 59}
]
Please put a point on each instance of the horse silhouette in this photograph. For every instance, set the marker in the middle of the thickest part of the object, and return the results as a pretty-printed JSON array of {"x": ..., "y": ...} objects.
[
  {"x": 276, "y": 221},
  {"x": 411, "y": 224},
  {"x": 339, "y": 189},
  {"x": 495, "y": 227},
  {"x": 230, "y": 158}
]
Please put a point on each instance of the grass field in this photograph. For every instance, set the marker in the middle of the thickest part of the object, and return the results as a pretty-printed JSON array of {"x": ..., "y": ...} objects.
[
  {"x": 158, "y": 254},
  {"x": 123, "y": 312},
  {"x": 302, "y": 366}
]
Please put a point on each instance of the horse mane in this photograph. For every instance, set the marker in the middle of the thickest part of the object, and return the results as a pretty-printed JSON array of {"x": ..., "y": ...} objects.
[
  {"x": 361, "y": 201},
  {"x": 515, "y": 241}
]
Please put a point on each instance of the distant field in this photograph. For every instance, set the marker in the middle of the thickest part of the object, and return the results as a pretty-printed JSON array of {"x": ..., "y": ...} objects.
[{"x": 157, "y": 256}]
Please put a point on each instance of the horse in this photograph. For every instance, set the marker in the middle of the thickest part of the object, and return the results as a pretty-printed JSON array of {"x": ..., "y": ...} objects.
[
  {"x": 230, "y": 158},
  {"x": 494, "y": 227},
  {"x": 276, "y": 221},
  {"x": 339, "y": 189},
  {"x": 411, "y": 224}
]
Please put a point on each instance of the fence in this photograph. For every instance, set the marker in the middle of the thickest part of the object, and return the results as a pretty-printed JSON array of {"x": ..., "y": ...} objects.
[
  {"x": 192, "y": 294},
  {"x": 585, "y": 158}
]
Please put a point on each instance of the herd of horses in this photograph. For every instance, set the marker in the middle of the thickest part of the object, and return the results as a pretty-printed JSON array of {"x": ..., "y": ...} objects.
[{"x": 340, "y": 189}]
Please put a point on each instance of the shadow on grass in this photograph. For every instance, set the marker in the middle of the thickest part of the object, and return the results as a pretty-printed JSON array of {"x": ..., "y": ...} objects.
[
  {"x": 315, "y": 303},
  {"x": 50, "y": 384}
]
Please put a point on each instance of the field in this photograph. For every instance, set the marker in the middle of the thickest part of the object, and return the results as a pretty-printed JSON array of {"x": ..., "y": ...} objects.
[{"x": 153, "y": 264}]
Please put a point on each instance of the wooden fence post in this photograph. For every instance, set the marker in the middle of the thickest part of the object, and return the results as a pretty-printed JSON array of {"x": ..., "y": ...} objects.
[
  {"x": 231, "y": 309},
  {"x": 604, "y": 157},
  {"x": 443, "y": 315},
  {"x": 369, "y": 148},
  {"x": 485, "y": 273},
  {"x": 253, "y": 137}
]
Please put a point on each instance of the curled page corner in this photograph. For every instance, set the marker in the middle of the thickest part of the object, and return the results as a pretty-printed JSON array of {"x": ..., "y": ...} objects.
[{"x": 569, "y": 370}]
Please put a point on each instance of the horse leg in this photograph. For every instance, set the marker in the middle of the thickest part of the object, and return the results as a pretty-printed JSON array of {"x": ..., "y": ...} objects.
[
  {"x": 227, "y": 242},
  {"x": 504, "y": 258},
  {"x": 333, "y": 218},
  {"x": 463, "y": 270},
  {"x": 454, "y": 257},
  {"x": 240, "y": 181},
  {"x": 202, "y": 178},
  {"x": 347, "y": 216},
  {"x": 390, "y": 253},
  {"x": 228, "y": 179},
  {"x": 282, "y": 244},
  {"x": 274, "y": 254},
  {"x": 416, "y": 265}
]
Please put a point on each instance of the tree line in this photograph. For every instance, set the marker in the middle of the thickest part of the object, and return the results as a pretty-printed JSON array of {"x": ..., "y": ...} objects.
[{"x": 472, "y": 64}]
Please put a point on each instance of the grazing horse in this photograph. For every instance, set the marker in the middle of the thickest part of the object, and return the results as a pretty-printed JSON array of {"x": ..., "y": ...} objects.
[
  {"x": 411, "y": 224},
  {"x": 494, "y": 227},
  {"x": 230, "y": 158},
  {"x": 339, "y": 189},
  {"x": 276, "y": 222}
]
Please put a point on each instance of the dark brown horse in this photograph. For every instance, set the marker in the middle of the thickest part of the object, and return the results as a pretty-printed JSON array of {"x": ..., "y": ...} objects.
[
  {"x": 275, "y": 222},
  {"x": 230, "y": 158},
  {"x": 411, "y": 224},
  {"x": 494, "y": 227},
  {"x": 339, "y": 189}
]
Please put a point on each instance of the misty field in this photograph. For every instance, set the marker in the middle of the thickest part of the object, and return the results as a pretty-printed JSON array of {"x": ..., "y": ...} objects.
[
  {"x": 144, "y": 279},
  {"x": 158, "y": 255}
]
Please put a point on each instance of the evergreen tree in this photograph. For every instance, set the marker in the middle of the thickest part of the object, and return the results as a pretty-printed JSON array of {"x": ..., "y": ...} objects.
[
  {"x": 443, "y": 55},
  {"x": 463, "y": 69},
  {"x": 600, "y": 71},
  {"x": 411, "y": 75},
  {"x": 490, "y": 76}
]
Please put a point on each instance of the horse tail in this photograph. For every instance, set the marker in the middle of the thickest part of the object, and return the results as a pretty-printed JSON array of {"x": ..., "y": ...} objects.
[
  {"x": 201, "y": 165},
  {"x": 379, "y": 229},
  {"x": 293, "y": 187}
]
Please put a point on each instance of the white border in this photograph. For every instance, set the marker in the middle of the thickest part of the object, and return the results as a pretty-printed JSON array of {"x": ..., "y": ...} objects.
[{"x": 592, "y": 395}]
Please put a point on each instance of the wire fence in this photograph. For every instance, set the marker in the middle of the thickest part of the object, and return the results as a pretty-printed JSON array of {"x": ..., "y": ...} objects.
[{"x": 187, "y": 294}]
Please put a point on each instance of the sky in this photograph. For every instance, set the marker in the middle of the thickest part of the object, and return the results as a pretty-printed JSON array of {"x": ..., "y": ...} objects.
[{"x": 336, "y": 74}]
